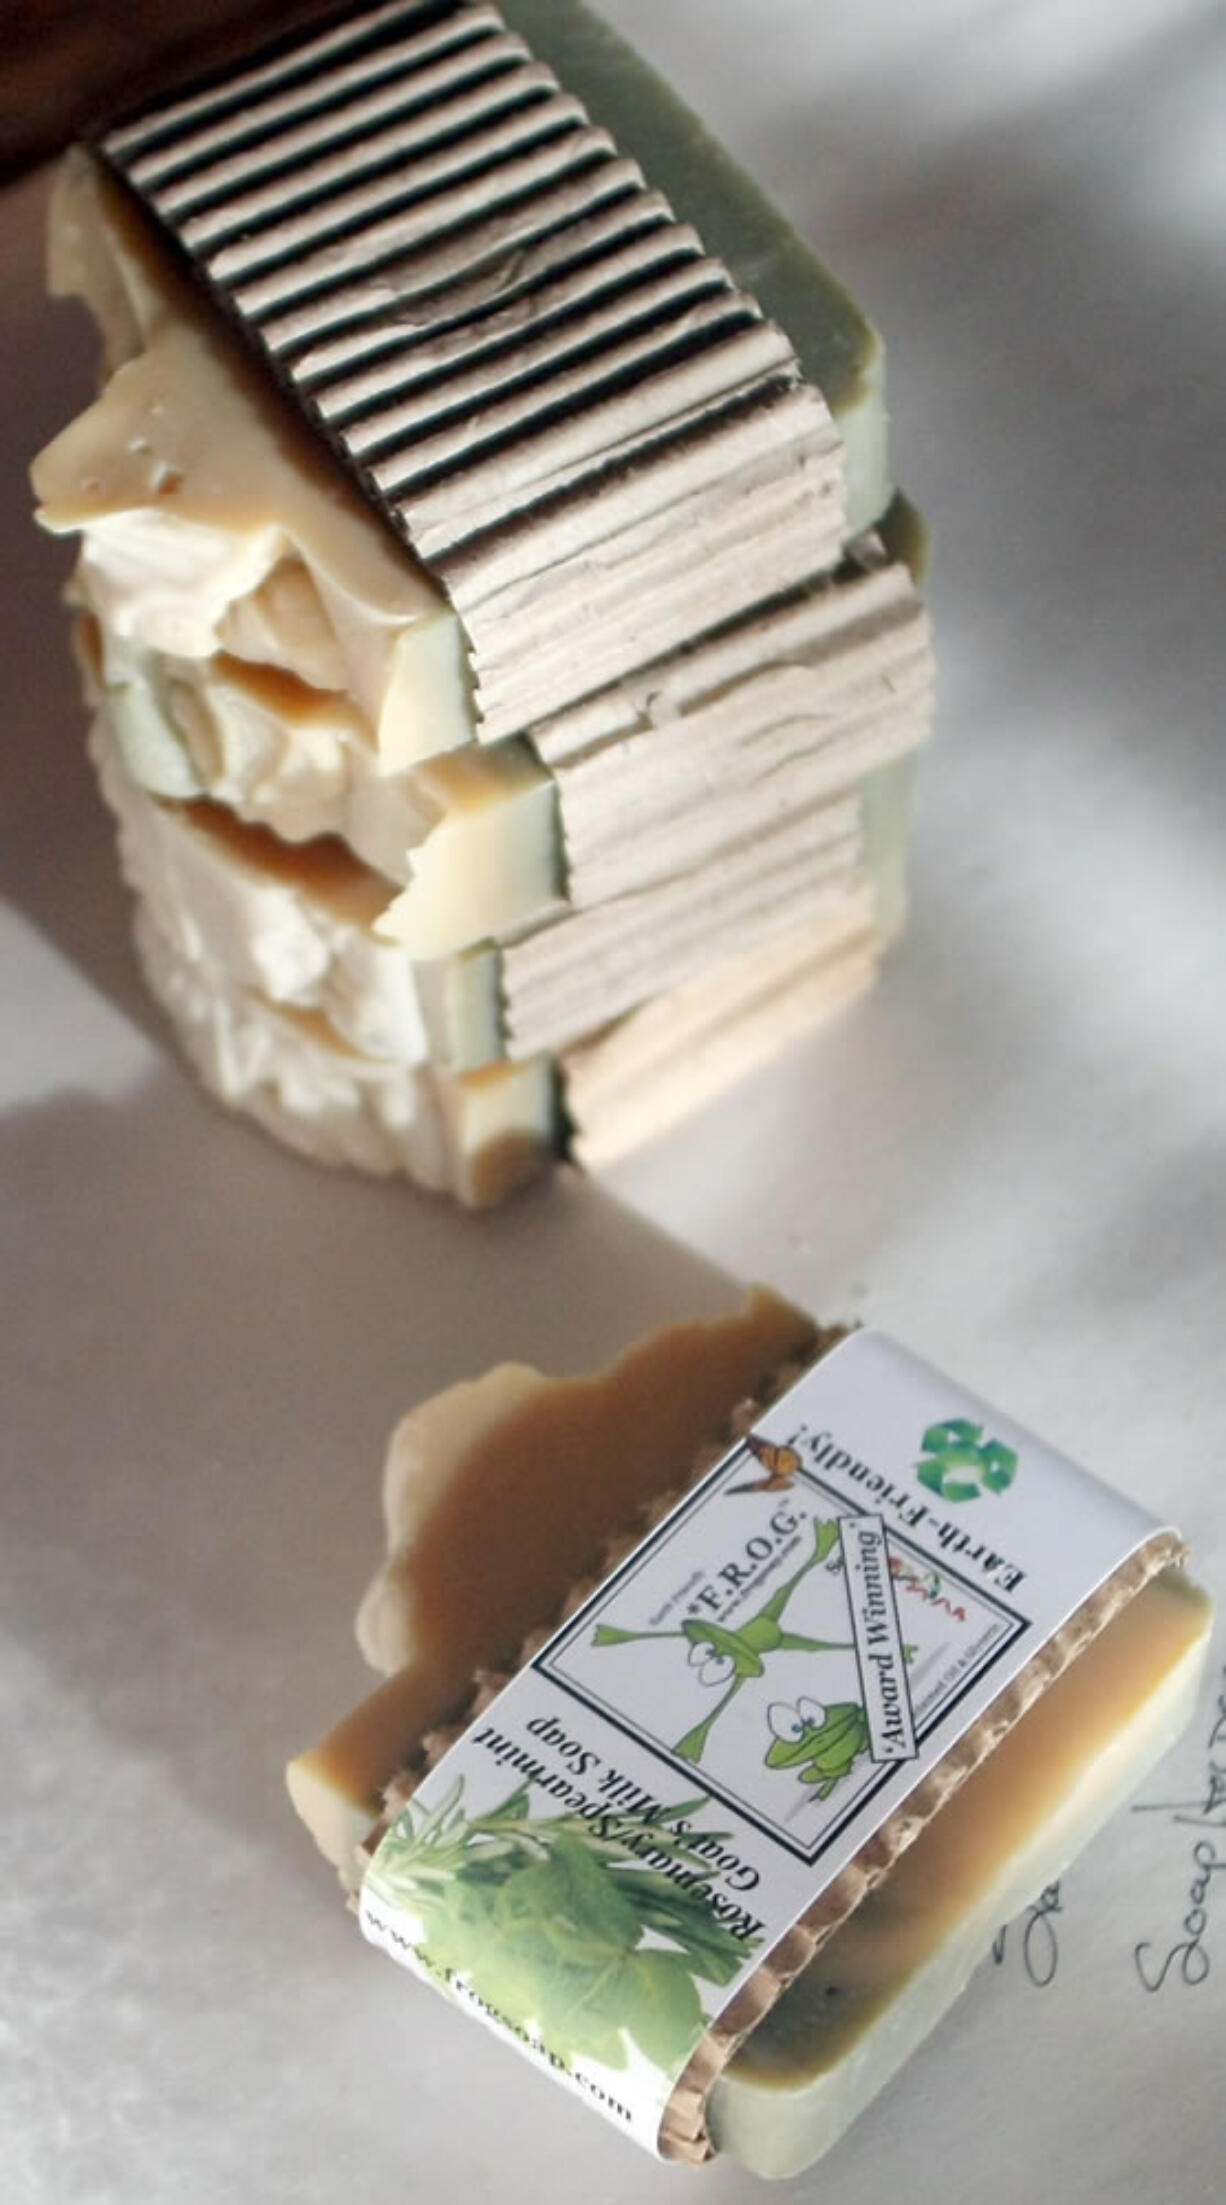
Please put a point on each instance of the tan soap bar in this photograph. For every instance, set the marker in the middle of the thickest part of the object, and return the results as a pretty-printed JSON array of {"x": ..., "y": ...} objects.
[
  {"x": 897, "y": 1951},
  {"x": 902, "y": 1946}
]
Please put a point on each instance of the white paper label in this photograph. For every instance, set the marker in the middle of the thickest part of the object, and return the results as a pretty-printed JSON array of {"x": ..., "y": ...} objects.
[{"x": 616, "y": 1845}]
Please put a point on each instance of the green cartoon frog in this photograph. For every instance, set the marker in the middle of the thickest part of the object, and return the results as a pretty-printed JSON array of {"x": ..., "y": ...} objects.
[
  {"x": 821, "y": 1743},
  {"x": 730, "y": 1658}
]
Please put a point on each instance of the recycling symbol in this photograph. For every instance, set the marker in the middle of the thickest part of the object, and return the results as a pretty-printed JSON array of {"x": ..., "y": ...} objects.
[{"x": 960, "y": 1464}]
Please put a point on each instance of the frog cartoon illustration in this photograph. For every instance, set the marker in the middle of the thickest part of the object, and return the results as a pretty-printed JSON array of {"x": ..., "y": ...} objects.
[
  {"x": 728, "y": 1657},
  {"x": 821, "y": 1743}
]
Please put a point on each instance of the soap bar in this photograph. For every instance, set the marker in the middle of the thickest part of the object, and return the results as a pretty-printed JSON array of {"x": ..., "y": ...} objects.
[
  {"x": 884, "y": 1980},
  {"x": 608, "y": 787},
  {"x": 460, "y": 1121},
  {"x": 308, "y": 925},
  {"x": 476, "y": 1135},
  {"x": 547, "y": 503},
  {"x": 475, "y": 835},
  {"x": 899, "y": 1949}
]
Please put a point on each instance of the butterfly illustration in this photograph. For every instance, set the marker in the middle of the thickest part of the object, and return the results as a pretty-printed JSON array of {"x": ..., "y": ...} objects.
[{"x": 779, "y": 1463}]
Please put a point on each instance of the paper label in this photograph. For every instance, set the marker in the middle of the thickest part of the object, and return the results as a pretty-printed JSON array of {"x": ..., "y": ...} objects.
[{"x": 614, "y": 1847}]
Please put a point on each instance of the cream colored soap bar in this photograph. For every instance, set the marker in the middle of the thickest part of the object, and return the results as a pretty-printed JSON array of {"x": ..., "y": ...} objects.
[
  {"x": 476, "y": 1135},
  {"x": 310, "y": 926},
  {"x": 547, "y": 501},
  {"x": 280, "y": 999},
  {"x": 600, "y": 780},
  {"x": 278, "y": 752},
  {"x": 479, "y": 854},
  {"x": 194, "y": 490}
]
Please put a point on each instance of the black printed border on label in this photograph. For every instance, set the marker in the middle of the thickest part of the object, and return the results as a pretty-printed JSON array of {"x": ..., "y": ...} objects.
[{"x": 887, "y": 1773}]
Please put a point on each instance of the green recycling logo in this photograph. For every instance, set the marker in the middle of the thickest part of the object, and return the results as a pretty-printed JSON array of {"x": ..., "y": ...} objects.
[{"x": 960, "y": 1464}]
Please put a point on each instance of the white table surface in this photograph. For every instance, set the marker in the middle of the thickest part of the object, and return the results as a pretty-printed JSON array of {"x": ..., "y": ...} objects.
[{"x": 1011, "y": 1154}]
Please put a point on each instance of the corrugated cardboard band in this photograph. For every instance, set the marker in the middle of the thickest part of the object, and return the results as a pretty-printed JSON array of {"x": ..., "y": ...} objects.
[{"x": 533, "y": 371}]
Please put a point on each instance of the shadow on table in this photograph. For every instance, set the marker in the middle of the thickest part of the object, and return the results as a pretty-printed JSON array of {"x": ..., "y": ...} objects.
[
  {"x": 1055, "y": 382},
  {"x": 211, "y": 1345}
]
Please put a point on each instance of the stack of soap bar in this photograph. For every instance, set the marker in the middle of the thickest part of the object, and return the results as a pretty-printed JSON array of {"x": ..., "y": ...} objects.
[
  {"x": 505, "y": 659},
  {"x": 465, "y": 1578}
]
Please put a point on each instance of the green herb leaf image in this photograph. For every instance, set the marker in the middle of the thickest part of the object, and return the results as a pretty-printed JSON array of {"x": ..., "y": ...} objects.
[
  {"x": 663, "y": 2004},
  {"x": 564, "y": 1925}
]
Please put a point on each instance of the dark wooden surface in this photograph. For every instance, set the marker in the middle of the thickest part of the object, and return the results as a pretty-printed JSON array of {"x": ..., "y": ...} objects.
[{"x": 66, "y": 65}]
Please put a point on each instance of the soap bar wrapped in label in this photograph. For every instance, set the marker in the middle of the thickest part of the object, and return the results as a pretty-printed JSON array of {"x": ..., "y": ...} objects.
[{"x": 612, "y": 1852}]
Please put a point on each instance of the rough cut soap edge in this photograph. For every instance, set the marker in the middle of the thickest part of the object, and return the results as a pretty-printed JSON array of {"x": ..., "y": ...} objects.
[
  {"x": 647, "y": 1412},
  {"x": 488, "y": 1683},
  {"x": 365, "y": 1786},
  {"x": 683, "y": 2131}
]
